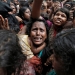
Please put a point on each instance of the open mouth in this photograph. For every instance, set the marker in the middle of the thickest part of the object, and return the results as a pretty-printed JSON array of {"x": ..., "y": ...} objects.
[
  {"x": 37, "y": 39},
  {"x": 58, "y": 22}
]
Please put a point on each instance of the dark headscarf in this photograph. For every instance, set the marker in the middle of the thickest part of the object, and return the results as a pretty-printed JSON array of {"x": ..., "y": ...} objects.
[{"x": 4, "y": 7}]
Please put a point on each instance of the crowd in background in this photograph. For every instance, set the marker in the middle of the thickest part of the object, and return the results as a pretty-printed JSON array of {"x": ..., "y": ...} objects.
[{"x": 37, "y": 37}]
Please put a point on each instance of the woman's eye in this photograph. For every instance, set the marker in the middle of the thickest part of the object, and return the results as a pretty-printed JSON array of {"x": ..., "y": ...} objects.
[
  {"x": 34, "y": 29},
  {"x": 41, "y": 30},
  {"x": 63, "y": 16},
  {"x": 57, "y": 14}
]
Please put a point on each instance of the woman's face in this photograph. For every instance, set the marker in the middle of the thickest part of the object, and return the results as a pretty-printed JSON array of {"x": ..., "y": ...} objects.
[
  {"x": 13, "y": 9},
  {"x": 49, "y": 2},
  {"x": 44, "y": 7},
  {"x": 27, "y": 14},
  {"x": 38, "y": 33},
  {"x": 59, "y": 18},
  {"x": 71, "y": 12},
  {"x": 56, "y": 5},
  {"x": 68, "y": 5}
]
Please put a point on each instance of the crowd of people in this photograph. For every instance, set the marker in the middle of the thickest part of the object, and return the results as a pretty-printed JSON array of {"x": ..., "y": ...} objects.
[{"x": 37, "y": 37}]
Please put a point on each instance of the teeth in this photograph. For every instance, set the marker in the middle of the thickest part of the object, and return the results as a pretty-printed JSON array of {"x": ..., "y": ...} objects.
[
  {"x": 58, "y": 21},
  {"x": 37, "y": 38}
]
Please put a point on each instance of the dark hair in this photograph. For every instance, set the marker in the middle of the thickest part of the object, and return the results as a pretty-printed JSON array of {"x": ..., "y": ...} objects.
[
  {"x": 21, "y": 11},
  {"x": 23, "y": 3},
  {"x": 30, "y": 1},
  {"x": 11, "y": 56},
  {"x": 68, "y": 7},
  {"x": 64, "y": 10},
  {"x": 4, "y": 7},
  {"x": 73, "y": 3},
  {"x": 45, "y": 16},
  {"x": 64, "y": 50},
  {"x": 30, "y": 24}
]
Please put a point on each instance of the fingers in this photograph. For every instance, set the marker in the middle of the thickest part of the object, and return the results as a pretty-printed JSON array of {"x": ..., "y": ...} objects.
[
  {"x": 1, "y": 20},
  {"x": 35, "y": 60},
  {"x": 38, "y": 68},
  {"x": 7, "y": 24},
  {"x": 49, "y": 60},
  {"x": 3, "y": 23}
]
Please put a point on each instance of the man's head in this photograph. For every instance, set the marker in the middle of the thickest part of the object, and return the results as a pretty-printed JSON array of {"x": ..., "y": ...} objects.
[{"x": 64, "y": 52}]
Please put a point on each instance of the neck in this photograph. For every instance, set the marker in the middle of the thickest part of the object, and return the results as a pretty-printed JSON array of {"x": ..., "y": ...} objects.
[
  {"x": 41, "y": 45},
  {"x": 36, "y": 49},
  {"x": 57, "y": 28}
]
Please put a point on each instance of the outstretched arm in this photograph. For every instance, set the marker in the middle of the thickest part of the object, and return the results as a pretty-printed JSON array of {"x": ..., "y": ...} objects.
[{"x": 36, "y": 9}]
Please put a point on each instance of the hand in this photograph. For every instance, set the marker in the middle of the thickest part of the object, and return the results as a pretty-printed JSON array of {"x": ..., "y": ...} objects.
[
  {"x": 22, "y": 30},
  {"x": 36, "y": 63},
  {"x": 38, "y": 69},
  {"x": 19, "y": 19},
  {"x": 49, "y": 60},
  {"x": 35, "y": 60},
  {"x": 64, "y": 1},
  {"x": 4, "y": 23}
]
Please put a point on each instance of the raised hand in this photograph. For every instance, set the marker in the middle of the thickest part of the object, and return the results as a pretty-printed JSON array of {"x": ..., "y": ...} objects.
[{"x": 4, "y": 23}]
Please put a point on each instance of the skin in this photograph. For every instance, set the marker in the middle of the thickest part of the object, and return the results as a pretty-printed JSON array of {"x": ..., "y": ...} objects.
[
  {"x": 74, "y": 22},
  {"x": 71, "y": 12},
  {"x": 2, "y": 71},
  {"x": 22, "y": 30},
  {"x": 68, "y": 5},
  {"x": 56, "y": 5},
  {"x": 44, "y": 7},
  {"x": 56, "y": 64},
  {"x": 49, "y": 2},
  {"x": 27, "y": 14},
  {"x": 4, "y": 23},
  {"x": 4, "y": 0},
  {"x": 38, "y": 33},
  {"x": 16, "y": 2},
  {"x": 13, "y": 9},
  {"x": 36, "y": 9},
  {"x": 59, "y": 18}
]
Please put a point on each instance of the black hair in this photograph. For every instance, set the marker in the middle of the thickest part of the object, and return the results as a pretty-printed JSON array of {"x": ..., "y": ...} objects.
[
  {"x": 45, "y": 16},
  {"x": 13, "y": 23},
  {"x": 64, "y": 49},
  {"x": 73, "y": 3},
  {"x": 68, "y": 7},
  {"x": 21, "y": 11},
  {"x": 23, "y": 3},
  {"x": 64, "y": 10},
  {"x": 30, "y": 1},
  {"x": 11, "y": 56},
  {"x": 30, "y": 24}
]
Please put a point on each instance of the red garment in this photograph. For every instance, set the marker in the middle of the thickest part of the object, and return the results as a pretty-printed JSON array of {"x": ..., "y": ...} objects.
[
  {"x": 27, "y": 69},
  {"x": 54, "y": 34},
  {"x": 30, "y": 65},
  {"x": 21, "y": 25}
]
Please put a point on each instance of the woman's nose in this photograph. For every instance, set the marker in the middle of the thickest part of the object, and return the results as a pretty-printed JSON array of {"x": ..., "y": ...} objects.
[
  {"x": 30, "y": 13},
  {"x": 59, "y": 16},
  {"x": 38, "y": 32}
]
